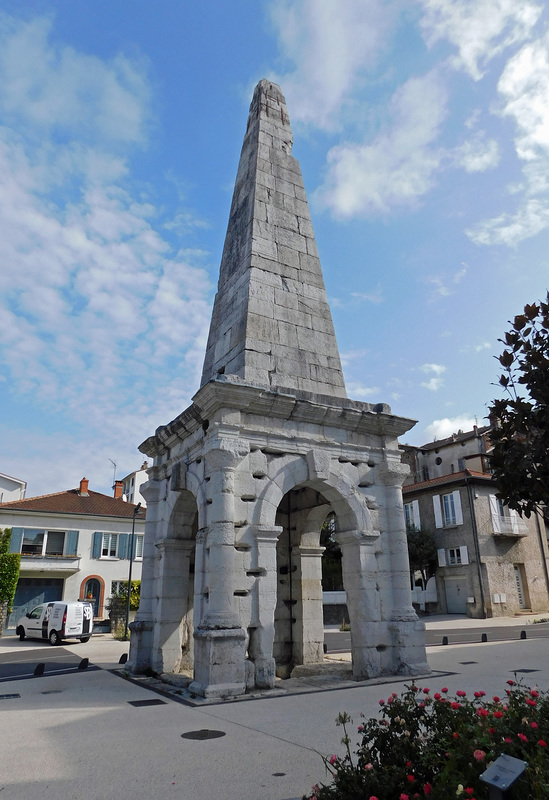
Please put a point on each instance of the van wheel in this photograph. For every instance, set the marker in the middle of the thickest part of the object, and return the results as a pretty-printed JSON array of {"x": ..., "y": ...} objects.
[
  {"x": 85, "y": 639},
  {"x": 55, "y": 638},
  {"x": 20, "y": 632}
]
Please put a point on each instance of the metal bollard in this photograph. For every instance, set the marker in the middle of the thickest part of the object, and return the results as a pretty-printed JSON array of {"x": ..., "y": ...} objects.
[{"x": 444, "y": 640}]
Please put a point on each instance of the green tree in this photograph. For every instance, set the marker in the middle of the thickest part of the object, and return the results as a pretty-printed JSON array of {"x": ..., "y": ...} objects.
[
  {"x": 9, "y": 575},
  {"x": 422, "y": 551},
  {"x": 520, "y": 436}
]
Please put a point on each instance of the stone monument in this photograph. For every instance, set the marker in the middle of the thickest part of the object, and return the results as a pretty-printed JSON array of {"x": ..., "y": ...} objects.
[{"x": 244, "y": 478}]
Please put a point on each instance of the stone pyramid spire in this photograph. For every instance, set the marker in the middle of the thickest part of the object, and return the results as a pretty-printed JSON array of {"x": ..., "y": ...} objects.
[{"x": 271, "y": 324}]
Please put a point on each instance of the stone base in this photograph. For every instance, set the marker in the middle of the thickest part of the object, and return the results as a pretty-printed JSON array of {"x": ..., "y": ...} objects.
[
  {"x": 397, "y": 648},
  {"x": 219, "y": 663},
  {"x": 141, "y": 645}
]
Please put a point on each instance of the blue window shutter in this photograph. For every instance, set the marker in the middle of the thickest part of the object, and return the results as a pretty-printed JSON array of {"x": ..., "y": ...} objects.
[
  {"x": 96, "y": 546},
  {"x": 72, "y": 543},
  {"x": 123, "y": 549},
  {"x": 16, "y": 540}
]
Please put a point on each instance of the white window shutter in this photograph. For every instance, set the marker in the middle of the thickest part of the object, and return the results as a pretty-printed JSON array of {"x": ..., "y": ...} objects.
[
  {"x": 464, "y": 555},
  {"x": 415, "y": 512},
  {"x": 514, "y": 520},
  {"x": 457, "y": 507},
  {"x": 494, "y": 511},
  {"x": 438, "y": 512},
  {"x": 441, "y": 557}
]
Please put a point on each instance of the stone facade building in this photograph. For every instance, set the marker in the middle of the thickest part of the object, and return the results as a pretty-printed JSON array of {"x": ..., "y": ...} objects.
[
  {"x": 491, "y": 562},
  {"x": 244, "y": 478}
]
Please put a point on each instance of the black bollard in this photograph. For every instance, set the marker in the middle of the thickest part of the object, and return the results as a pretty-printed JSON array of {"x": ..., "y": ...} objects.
[
  {"x": 84, "y": 663},
  {"x": 444, "y": 640},
  {"x": 484, "y": 637},
  {"x": 523, "y": 634},
  {"x": 39, "y": 670},
  {"x": 123, "y": 658}
]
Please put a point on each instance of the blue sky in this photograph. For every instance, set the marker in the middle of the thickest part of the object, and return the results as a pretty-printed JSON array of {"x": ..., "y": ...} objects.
[{"x": 422, "y": 130}]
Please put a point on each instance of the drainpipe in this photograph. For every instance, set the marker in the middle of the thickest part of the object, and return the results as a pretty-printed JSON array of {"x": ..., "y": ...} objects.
[{"x": 476, "y": 541}]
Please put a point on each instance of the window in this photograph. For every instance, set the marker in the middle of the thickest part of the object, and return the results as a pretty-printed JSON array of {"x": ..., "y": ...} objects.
[
  {"x": 447, "y": 508},
  {"x": 411, "y": 514},
  {"x": 453, "y": 556},
  {"x": 117, "y": 586},
  {"x": 109, "y": 545},
  {"x": 139, "y": 546},
  {"x": 39, "y": 542},
  {"x": 505, "y": 520},
  {"x": 425, "y": 473}
]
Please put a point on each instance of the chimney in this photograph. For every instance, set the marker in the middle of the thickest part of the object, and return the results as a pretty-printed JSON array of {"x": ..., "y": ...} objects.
[
  {"x": 84, "y": 488},
  {"x": 118, "y": 489}
]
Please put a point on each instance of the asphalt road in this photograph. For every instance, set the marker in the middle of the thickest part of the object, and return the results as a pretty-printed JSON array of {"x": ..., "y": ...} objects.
[
  {"x": 22, "y": 663},
  {"x": 340, "y": 641}
]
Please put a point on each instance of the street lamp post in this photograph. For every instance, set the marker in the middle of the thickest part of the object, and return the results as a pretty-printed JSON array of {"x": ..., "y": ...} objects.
[{"x": 128, "y": 599}]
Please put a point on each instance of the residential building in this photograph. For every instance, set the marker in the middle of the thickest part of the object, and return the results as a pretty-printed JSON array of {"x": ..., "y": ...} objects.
[
  {"x": 491, "y": 562},
  {"x": 11, "y": 488},
  {"x": 74, "y": 545},
  {"x": 132, "y": 484}
]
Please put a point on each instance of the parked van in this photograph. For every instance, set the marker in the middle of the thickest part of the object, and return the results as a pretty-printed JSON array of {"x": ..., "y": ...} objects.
[{"x": 57, "y": 621}]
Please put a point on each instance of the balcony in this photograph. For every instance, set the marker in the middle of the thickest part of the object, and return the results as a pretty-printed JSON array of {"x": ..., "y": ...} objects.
[
  {"x": 509, "y": 526},
  {"x": 67, "y": 565}
]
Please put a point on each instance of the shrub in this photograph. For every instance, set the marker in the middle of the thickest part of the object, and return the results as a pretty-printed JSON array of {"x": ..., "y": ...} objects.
[{"x": 431, "y": 745}]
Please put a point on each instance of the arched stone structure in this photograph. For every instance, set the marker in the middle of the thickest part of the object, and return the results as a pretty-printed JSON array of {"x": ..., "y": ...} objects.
[{"x": 243, "y": 479}]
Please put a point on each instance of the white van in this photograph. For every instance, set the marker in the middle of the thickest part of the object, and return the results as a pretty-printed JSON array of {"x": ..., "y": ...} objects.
[{"x": 57, "y": 621}]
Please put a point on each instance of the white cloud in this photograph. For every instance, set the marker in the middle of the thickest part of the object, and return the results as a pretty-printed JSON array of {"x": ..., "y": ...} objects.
[
  {"x": 477, "y": 155},
  {"x": 330, "y": 45},
  {"x": 441, "y": 428},
  {"x": 479, "y": 29},
  {"x": 350, "y": 356},
  {"x": 376, "y": 296},
  {"x": 100, "y": 318},
  {"x": 524, "y": 91},
  {"x": 436, "y": 382},
  {"x": 358, "y": 390},
  {"x": 444, "y": 285},
  {"x": 399, "y": 165}
]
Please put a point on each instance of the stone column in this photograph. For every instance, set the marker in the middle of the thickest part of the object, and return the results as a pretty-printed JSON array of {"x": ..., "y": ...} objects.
[
  {"x": 260, "y": 647},
  {"x": 173, "y": 594},
  {"x": 309, "y": 625},
  {"x": 360, "y": 571},
  {"x": 407, "y": 632},
  {"x": 141, "y": 642},
  {"x": 219, "y": 665}
]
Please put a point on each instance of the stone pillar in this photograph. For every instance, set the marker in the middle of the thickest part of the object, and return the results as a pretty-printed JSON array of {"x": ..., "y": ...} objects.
[
  {"x": 173, "y": 600},
  {"x": 260, "y": 646},
  {"x": 360, "y": 579},
  {"x": 141, "y": 642},
  {"x": 220, "y": 650},
  {"x": 407, "y": 632},
  {"x": 308, "y": 612}
]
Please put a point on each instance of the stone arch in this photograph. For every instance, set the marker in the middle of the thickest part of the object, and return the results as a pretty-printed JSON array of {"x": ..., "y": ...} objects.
[
  {"x": 98, "y": 602},
  {"x": 176, "y": 569},
  {"x": 349, "y": 506}
]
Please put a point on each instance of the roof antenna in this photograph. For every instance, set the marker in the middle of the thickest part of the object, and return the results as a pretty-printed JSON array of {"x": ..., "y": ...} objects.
[{"x": 114, "y": 471}]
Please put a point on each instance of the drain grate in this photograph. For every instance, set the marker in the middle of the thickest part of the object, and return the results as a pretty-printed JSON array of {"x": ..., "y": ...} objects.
[
  {"x": 524, "y": 670},
  {"x": 465, "y": 663},
  {"x": 139, "y": 703},
  {"x": 52, "y": 691},
  {"x": 203, "y": 734},
  {"x": 9, "y": 696}
]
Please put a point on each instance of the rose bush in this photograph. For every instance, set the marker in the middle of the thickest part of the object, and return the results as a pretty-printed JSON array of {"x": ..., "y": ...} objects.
[{"x": 427, "y": 744}]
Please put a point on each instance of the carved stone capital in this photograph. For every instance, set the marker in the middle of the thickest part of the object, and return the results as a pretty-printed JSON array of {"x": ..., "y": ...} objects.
[
  {"x": 392, "y": 473},
  {"x": 225, "y": 453}
]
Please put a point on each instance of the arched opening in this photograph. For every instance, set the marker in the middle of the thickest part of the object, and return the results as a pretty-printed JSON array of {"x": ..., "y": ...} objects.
[
  {"x": 93, "y": 590},
  {"x": 176, "y": 581},
  {"x": 299, "y": 626}
]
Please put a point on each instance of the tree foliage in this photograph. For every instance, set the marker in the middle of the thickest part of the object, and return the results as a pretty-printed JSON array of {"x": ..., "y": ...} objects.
[
  {"x": 9, "y": 569},
  {"x": 422, "y": 551},
  {"x": 520, "y": 437}
]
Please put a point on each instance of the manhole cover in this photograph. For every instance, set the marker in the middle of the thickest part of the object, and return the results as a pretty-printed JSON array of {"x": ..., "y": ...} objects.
[
  {"x": 524, "y": 670},
  {"x": 203, "y": 734},
  {"x": 138, "y": 703},
  {"x": 468, "y": 662},
  {"x": 9, "y": 696},
  {"x": 278, "y": 774}
]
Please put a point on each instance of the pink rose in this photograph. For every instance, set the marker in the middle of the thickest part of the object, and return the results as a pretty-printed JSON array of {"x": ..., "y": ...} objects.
[
  {"x": 522, "y": 737},
  {"x": 479, "y": 755},
  {"x": 333, "y": 760}
]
